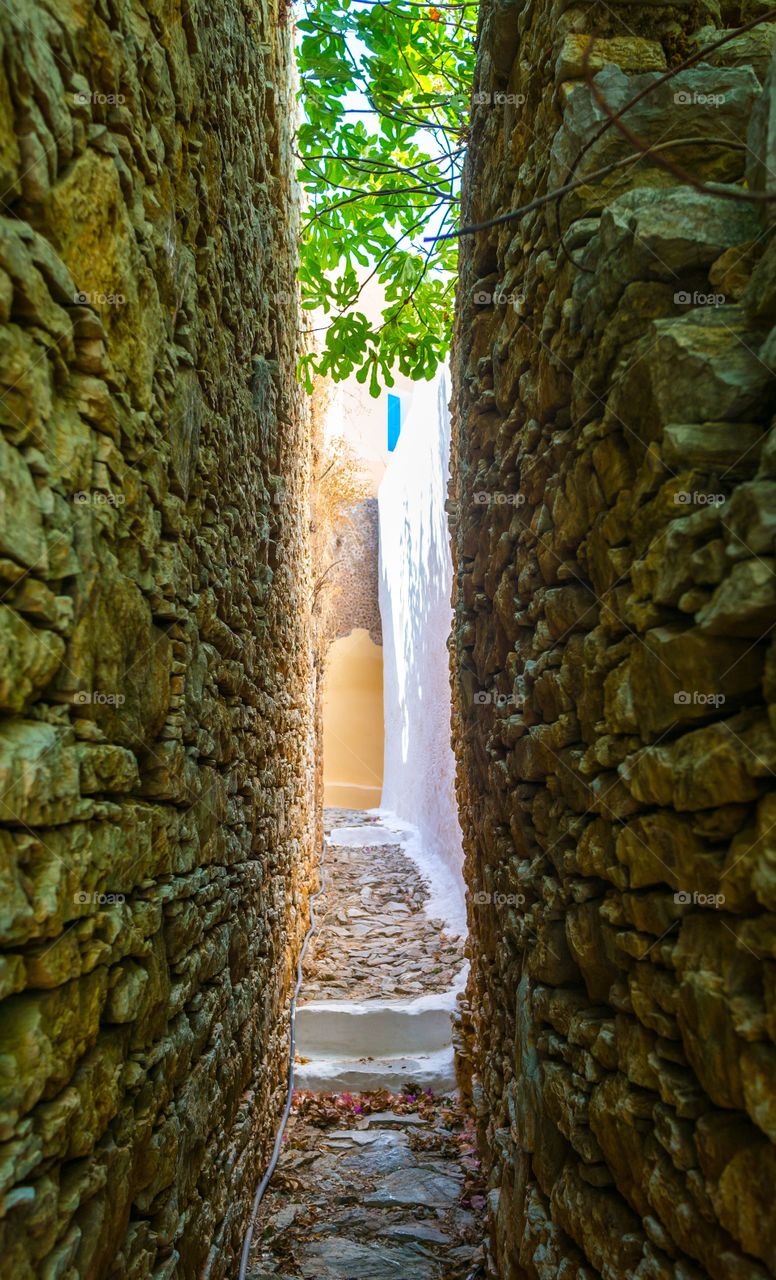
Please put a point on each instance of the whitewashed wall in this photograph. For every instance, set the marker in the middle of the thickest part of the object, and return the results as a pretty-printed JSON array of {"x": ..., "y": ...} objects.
[{"x": 415, "y": 588}]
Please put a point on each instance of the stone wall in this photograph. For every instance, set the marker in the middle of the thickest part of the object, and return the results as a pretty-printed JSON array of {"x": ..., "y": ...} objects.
[
  {"x": 614, "y": 509},
  {"x": 355, "y": 578},
  {"x": 156, "y": 685}
]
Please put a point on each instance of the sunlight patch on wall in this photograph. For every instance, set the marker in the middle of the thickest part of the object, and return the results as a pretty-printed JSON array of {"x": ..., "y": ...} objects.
[{"x": 353, "y": 723}]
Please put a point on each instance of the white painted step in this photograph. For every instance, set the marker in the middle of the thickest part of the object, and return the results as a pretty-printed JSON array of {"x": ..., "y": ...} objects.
[
  {"x": 376, "y": 1044},
  {"x": 384, "y": 1044},
  {"x": 361, "y": 836},
  {"x": 433, "y": 1071},
  {"x": 344, "y": 1029}
]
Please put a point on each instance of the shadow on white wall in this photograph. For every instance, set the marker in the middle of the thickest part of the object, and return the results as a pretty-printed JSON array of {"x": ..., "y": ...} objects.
[{"x": 415, "y": 591}]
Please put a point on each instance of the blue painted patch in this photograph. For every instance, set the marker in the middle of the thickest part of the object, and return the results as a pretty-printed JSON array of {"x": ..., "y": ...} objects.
[{"x": 394, "y": 421}]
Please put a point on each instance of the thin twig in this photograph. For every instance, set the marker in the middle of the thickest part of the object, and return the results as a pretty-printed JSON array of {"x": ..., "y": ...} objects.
[
  {"x": 614, "y": 118},
  {"x": 727, "y": 193},
  {"x": 558, "y": 192}
]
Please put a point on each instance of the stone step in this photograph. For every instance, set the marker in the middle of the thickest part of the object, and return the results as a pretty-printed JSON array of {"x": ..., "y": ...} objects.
[
  {"x": 344, "y": 1028},
  {"x": 339, "y": 1258},
  {"x": 377, "y": 1044},
  {"x": 434, "y": 1071}
]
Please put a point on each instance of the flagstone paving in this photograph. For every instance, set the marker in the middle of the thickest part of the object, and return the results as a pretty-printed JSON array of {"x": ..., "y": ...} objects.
[
  {"x": 374, "y": 939},
  {"x": 372, "y": 1197},
  {"x": 376, "y": 1186}
]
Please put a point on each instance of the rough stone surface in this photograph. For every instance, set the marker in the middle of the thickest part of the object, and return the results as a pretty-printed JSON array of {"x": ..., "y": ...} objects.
[
  {"x": 613, "y": 508},
  {"x": 156, "y": 689},
  {"x": 373, "y": 1194},
  {"x": 373, "y": 937},
  {"x": 355, "y": 574}
]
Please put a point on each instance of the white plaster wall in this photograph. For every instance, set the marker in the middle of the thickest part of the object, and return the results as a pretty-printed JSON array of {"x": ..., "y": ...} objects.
[
  {"x": 353, "y": 413},
  {"x": 415, "y": 589}
]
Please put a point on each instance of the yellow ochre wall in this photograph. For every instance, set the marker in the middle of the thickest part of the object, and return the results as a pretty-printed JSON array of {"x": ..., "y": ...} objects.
[{"x": 353, "y": 723}]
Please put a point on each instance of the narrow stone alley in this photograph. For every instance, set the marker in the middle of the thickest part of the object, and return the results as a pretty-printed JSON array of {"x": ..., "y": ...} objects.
[
  {"x": 378, "y": 1177},
  {"x": 387, "y": 419}
]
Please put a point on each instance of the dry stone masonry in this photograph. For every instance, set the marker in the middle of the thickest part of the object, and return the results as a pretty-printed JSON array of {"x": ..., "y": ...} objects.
[
  {"x": 357, "y": 552},
  {"x": 614, "y": 512},
  {"x": 156, "y": 692}
]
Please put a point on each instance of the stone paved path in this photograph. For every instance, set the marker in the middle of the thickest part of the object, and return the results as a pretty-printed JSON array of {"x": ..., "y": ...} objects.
[
  {"x": 372, "y": 1197},
  {"x": 373, "y": 938},
  {"x": 373, "y": 1186}
]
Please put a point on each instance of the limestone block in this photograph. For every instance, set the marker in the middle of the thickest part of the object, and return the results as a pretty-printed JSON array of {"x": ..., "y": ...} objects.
[
  {"x": 118, "y": 660},
  {"x": 713, "y": 446},
  {"x": 752, "y": 48},
  {"x": 42, "y": 1037},
  {"x": 630, "y": 53},
  {"x": 738, "y": 1165},
  {"x": 21, "y": 524},
  {"x": 702, "y": 769},
  {"x": 760, "y": 294},
  {"x": 703, "y": 364},
  {"x": 669, "y": 235},
  {"x": 29, "y": 660},
  {"x": 590, "y": 1216},
  {"x": 106, "y": 769},
  {"x": 38, "y": 773},
  {"x": 677, "y": 108},
  {"x": 761, "y": 137},
  {"x": 674, "y": 676},
  {"x": 744, "y": 604}
]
